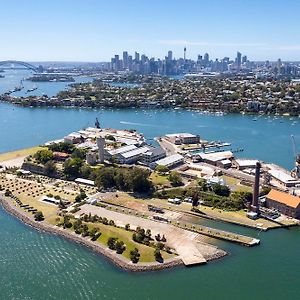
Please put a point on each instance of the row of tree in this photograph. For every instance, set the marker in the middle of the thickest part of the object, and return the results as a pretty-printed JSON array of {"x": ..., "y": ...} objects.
[{"x": 126, "y": 179}]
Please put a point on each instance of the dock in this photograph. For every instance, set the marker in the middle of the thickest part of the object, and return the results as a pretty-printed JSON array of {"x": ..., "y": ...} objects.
[{"x": 219, "y": 234}]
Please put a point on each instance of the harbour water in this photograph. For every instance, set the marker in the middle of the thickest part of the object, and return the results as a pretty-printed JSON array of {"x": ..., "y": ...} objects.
[
  {"x": 36, "y": 265},
  {"x": 13, "y": 79}
]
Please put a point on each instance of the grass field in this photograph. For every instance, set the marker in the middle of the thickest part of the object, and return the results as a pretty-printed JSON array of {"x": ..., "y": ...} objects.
[
  {"x": 235, "y": 184},
  {"x": 107, "y": 231},
  {"x": 159, "y": 179},
  {"x": 18, "y": 153},
  {"x": 30, "y": 192},
  {"x": 147, "y": 253}
]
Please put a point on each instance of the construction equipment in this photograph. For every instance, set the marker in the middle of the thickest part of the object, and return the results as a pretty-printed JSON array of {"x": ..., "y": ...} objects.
[{"x": 296, "y": 170}]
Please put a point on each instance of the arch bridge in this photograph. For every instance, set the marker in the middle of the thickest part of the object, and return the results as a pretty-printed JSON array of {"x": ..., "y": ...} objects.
[{"x": 21, "y": 63}]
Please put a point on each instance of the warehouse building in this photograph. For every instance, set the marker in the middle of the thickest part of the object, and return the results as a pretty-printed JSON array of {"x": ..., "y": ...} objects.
[
  {"x": 152, "y": 155},
  {"x": 169, "y": 161},
  {"x": 133, "y": 156},
  {"x": 220, "y": 159},
  {"x": 183, "y": 138},
  {"x": 285, "y": 203}
]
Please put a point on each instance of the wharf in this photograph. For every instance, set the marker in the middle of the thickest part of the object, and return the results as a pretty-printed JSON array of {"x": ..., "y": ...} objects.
[{"x": 219, "y": 234}]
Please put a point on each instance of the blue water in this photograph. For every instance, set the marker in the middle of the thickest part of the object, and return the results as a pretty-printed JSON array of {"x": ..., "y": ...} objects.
[
  {"x": 13, "y": 77},
  {"x": 267, "y": 139}
]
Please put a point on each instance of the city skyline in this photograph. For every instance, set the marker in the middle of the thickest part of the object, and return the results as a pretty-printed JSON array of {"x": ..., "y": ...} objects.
[{"x": 95, "y": 30}]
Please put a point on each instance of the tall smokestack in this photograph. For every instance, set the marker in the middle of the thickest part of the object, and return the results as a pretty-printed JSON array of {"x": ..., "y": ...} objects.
[
  {"x": 101, "y": 144},
  {"x": 254, "y": 205}
]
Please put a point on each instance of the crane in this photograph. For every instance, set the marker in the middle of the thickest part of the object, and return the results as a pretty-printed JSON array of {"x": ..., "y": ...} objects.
[{"x": 296, "y": 171}]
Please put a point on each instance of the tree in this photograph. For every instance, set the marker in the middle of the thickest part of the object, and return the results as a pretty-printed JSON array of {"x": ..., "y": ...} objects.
[
  {"x": 134, "y": 255},
  {"x": 77, "y": 226},
  {"x": 85, "y": 230},
  {"x": 50, "y": 168},
  {"x": 7, "y": 193},
  {"x": 203, "y": 184},
  {"x": 148, "y": 233},
  {"x": 137, "y": 179},
  {"x": 111, "y": 223},
  {"x": 38, "y": 216},
  {"x": 175, "y": 178},
  {"x": 66, "y": 222},
  {"x": 157, "y": 255},
  {"x": 72, "y": 167},
  {"x": 105, "y": 177},
  {"x": 265, "y": 190},
  {"x": 43, "y": 156},
  {"x": 85, "y": 171},
  {"x": 160, "y": 245},
  {"x": 120, "y": 247},
  {"x": 127, "y": 227},
  {"x": 79, "y": 153},
  {"x": 195, "y": 199},
  {"x": 161, "y": 169},
  {"x": 221, "y": 190},
  {"x": 62, "y": 147},
  {"x": 111, "y": 243}
]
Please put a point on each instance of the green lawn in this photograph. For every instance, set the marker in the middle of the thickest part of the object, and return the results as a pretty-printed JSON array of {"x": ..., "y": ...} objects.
[
  {"x": 159, "y": 179},
  {"x": 147, "y": 253}
]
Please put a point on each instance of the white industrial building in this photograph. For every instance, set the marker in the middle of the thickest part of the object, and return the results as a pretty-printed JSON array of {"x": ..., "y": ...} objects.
[
  {"x": 183, "y": 138},
  {"x": 132, "y": 156},
  {"x": 243, "y": 164},
  {"x": 220, "y": 159},
  {"x": 169, "y": 161},
  {"x": 152, "y": 155},
  {"x": 283, "y": 178}
]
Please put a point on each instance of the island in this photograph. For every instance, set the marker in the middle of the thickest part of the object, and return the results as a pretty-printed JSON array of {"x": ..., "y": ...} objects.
[{"x": 144, "y": 207}]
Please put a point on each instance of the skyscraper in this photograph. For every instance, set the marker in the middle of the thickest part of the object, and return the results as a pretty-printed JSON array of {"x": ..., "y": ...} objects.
[
  {"x": 117, "y": 63},
  {"x": 238, "y": 59},
  {"x": 136, "y": 57},
  {"x": 170, "y": 55},
  {"x": 125, "y": 60},
  {"x": 184, "y": 53},
  {"x": 206, "y": 59}
]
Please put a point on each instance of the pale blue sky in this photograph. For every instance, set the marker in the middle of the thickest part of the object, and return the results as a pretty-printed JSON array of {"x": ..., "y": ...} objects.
[{"x": 94, "y": 30}]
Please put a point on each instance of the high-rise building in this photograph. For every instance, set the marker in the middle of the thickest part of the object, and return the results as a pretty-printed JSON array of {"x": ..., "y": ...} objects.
[
  {"x": 125, "y": 60},
  {"x": 184, "y": 53},
  {"x": 170, "y": 55},
  {"x": 244, "y": 59},
  {"x": 130, "y": 62},
  {"x": 117, "y": 63},
  {"x": 136, "y": 57},
  {"x": 206, "y": 59},
  {"x": 238, "y": 59}
]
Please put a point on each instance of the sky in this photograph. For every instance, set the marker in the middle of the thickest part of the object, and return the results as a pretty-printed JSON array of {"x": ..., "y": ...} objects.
[{"x": 95, "y": 30}]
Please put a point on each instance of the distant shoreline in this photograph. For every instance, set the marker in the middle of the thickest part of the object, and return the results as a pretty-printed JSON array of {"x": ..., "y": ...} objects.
[
  {"x": 116, "y": 259},
  {"x": 188, "y": 108}
]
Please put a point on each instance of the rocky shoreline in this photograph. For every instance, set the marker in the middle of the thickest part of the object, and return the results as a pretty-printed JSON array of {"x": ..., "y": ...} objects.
[{"x": 118, "y": 260}]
